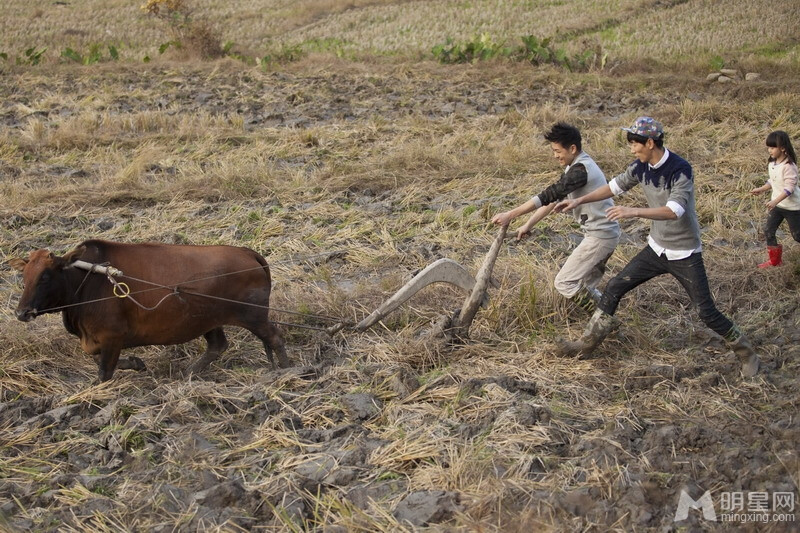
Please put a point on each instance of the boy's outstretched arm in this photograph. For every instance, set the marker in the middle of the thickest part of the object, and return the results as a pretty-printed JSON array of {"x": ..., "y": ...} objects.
[
  {"x": 536, "y": 217},
  {"x": 595, "y": 196},
  {"x": 572, "y": 180},
  {"x": 503, "y": 219}
]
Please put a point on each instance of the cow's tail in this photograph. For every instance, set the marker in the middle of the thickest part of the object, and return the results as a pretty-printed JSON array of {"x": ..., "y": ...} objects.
[
  {"x": 263, "y": 262},
  {"x": 273, "y": 340}
]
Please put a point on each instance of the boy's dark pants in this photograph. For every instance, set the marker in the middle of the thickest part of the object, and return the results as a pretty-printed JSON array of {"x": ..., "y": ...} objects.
[
  {"x": 690, "y": 272},
  {"x": 774, "y": 219}
]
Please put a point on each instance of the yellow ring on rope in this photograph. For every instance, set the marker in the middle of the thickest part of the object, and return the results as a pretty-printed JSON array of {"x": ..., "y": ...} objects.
[{"x": 124, "y": 290}]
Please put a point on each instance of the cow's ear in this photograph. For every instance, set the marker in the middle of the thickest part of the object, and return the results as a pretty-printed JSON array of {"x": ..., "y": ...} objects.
[
  {"x": 74, "y": 255},
  {"x": 18, "y": 264}
]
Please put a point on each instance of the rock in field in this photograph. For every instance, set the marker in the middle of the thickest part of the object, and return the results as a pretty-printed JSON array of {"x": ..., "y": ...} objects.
[{"x": 427, "y": 507}]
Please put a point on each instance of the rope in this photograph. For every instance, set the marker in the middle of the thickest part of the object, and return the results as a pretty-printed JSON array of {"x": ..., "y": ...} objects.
[
  {"x": 122, "y": 290},
  {"x": 131, "y": 298},
  {"x": 178, "y": 290}
]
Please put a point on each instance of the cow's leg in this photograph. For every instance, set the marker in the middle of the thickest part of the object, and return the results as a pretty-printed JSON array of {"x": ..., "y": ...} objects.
[
  {"x": 109, "y": 355},
  {"x": 273, "y": 340},
  {"x": 217, "y": 343},
  {"x": 268, "y": 333}
]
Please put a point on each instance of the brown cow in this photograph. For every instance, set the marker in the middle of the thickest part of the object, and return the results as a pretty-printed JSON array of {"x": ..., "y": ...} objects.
[{"x": 207, "y": 285}]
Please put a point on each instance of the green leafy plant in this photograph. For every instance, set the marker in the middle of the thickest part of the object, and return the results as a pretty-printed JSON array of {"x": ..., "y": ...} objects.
[
  {"x": 541, "y": 51},
  {"x": 32, "y": 56},
  {"x": 285, "y": 54},
  {"x": 94, "y": 54},
  {"x": 163, "y": 47},
  {"x": 533, "y": 49},
  {"x": 717, "y": 63},
  {"x": 480, "y": 48},
  {"x": 228, "y": 49},
  {"x": 69, "y": 53},
  {"x": 328, "y": 44},
  {"x": 537, "y": 50}
]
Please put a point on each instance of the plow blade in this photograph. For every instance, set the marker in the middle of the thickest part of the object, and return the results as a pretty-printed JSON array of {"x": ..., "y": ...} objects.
[{"x": 441, "y": 271}]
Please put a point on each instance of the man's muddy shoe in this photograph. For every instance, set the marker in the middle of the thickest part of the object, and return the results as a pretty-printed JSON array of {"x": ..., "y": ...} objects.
[
  {"x": 747, "y": 356},
  {"x": 598, "y": 328},
  {"x": 740, "y": 344}
]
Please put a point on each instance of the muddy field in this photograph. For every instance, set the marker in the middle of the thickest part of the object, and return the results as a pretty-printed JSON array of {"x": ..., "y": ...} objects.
[{"x": 349, "y": 178}]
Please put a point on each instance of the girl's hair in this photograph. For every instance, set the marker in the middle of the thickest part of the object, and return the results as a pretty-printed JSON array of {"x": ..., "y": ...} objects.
[{"x": 780, "y": 139}]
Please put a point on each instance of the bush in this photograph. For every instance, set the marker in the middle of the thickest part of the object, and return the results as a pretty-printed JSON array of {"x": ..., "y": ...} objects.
[
  {"x": 534, "y": 50},
  {"x": 480, "y": 48},
  {"x": 195, "y": 36}
]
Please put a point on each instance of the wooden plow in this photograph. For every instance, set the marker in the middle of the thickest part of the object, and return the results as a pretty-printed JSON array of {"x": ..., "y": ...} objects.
[{"x": 455, "y": 327}]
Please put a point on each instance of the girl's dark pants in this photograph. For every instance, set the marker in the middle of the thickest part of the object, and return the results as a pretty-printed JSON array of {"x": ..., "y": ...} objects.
[
  {"x": 774, "y": 219},
  {"x": 690, "y": 272}
]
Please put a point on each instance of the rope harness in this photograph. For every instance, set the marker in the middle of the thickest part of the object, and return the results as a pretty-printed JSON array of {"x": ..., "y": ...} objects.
[{"x": 122, "y": 290}]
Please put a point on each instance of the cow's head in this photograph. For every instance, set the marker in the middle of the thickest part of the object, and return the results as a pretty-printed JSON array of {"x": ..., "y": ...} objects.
[{"x": 44, "y": 282}]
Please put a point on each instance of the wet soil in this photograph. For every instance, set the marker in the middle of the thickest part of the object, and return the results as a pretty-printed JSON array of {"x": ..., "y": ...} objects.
[{"x": 247, "y": 448}]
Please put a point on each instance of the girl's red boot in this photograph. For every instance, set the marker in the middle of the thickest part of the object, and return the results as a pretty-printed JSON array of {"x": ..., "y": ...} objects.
[{"x": 775, "y": 254}]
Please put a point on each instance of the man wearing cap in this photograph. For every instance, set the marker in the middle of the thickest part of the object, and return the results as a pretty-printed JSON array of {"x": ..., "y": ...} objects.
[{"x": 674, "y": 245}]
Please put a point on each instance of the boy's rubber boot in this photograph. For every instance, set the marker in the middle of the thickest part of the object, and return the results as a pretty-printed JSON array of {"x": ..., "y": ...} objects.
[
  {"x": 587, "y": 299},
  {"x": 598, "y": 328},
  {"x": 594, "y": 294},
  {"x": 775, "y": 257},
  {"x": 740, "y": 344}
]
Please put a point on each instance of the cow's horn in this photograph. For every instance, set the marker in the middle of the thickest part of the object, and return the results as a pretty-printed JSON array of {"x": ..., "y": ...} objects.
[{"x": 74, "y": 255}]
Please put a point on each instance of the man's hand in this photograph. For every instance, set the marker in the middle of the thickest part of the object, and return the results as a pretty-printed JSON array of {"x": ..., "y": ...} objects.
[
  {"x": 523, "y": 231},
  {"x": 503, "y": 219},
  {"x": 566, "y": 205},
  {"x": 619, "y": 212}
]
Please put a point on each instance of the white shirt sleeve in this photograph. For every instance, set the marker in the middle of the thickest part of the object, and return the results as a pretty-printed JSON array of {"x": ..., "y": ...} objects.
[
  {"x": 616, "y": 189},
  {"x": 676, "y": 208}
]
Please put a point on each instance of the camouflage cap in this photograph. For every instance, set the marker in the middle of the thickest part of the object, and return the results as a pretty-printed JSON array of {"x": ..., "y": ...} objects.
[{"x": 646, "y": 127}]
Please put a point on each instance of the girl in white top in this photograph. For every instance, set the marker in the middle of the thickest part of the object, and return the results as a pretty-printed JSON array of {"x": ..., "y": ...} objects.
[{"x": 785, "y": 200}]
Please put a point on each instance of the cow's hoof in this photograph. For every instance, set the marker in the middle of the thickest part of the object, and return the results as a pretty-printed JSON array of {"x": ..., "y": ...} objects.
[
  {"x": 137, "y": 364},
  {"x": 131, "y": 363}
]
